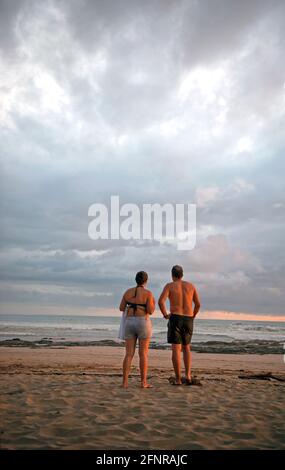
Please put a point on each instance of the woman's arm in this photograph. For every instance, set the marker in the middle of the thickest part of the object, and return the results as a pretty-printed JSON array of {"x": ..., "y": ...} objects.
[
  {"x": 123, "y": 304},
  {"x": 150, "y": 304}
]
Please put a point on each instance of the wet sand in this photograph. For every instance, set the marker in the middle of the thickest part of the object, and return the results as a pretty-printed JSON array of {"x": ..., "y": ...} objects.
[{"x": 70, "y": 398}]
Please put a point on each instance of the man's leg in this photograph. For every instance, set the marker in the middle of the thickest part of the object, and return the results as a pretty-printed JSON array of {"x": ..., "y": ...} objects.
[
  {"x": 143, "y": 353},
  {"x": 130, "y": 345},
  {"x": 176, "y": 353},
  {"x": 187, "y": 360}
]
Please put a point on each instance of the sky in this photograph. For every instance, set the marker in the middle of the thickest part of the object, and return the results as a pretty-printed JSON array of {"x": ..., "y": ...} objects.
[{"x": 162, "y": 101}]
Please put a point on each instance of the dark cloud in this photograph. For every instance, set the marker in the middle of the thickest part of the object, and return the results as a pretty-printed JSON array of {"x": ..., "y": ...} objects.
[{"x": 9, "y": 10}]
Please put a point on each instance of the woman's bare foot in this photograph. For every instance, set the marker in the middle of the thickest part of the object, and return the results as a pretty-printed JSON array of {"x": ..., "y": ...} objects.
[
  {"x": 146, "y": 385},
  {"x": 124, "y": 385}
]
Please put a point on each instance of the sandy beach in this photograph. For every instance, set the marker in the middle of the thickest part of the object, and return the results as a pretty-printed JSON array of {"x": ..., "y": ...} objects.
[{"x": 70, "y": 398}]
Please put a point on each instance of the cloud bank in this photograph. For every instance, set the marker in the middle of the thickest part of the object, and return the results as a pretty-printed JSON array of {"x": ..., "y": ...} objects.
[{"x": 165, "y": 101}]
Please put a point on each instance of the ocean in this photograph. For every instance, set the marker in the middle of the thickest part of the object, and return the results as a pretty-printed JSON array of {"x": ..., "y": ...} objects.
[{"x": 209, "y": 335}]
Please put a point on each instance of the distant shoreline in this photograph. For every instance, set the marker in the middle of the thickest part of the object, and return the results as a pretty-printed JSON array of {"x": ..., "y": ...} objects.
[{"x": 216, "y": 347}]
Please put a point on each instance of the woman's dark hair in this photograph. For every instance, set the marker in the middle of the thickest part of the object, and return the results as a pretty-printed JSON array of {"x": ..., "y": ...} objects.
[
  {"x": 177, "y": 271},
  {"x": 141, "y": 277}
]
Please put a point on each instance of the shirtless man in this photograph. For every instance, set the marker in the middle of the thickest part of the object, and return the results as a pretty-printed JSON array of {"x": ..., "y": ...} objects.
[{"x": 181, "y": 295}]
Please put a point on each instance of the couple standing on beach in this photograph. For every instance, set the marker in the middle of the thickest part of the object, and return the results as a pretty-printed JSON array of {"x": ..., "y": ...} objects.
[{"x": 138, "y": 304}]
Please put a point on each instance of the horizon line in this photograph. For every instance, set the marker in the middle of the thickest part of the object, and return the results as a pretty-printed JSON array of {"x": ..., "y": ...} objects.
[{"x": 13, "y": 309}]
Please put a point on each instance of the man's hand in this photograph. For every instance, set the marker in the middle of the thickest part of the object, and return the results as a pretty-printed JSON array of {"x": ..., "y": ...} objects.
[{"x": 167, "y": 316}]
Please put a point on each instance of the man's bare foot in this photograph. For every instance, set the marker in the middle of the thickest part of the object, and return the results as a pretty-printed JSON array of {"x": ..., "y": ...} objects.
[
  {"x": 193, "y": 381},
  {"x": 178, "y": 381},
  {"x": 146, "y": 385},
  {"x": 174, "y": 381}
]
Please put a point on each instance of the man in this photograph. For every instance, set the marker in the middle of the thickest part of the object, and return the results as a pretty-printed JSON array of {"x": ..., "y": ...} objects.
[{"x": 181, "y": 295}]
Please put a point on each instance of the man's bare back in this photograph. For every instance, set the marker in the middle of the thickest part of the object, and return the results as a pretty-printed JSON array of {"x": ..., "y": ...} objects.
[{"x": 181, "y": 295}]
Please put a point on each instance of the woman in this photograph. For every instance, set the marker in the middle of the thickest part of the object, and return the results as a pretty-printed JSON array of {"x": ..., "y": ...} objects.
[{"x": 140, "y": 305}]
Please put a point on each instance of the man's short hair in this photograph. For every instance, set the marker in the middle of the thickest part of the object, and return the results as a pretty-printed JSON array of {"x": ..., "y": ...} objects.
[
  {"x": 141, "y": 277},
  {"x": 177, "y": 271}
]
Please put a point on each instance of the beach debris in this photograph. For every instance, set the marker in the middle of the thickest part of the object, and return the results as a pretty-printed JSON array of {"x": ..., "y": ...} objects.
[{"x": 263, "y": 376}]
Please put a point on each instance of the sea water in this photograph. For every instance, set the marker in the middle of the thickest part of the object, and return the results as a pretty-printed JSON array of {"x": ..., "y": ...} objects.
[{"x": 100, "y": 328}]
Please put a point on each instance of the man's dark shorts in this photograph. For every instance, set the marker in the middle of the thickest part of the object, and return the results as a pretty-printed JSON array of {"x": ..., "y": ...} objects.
[{"x": 180, "y": 329}]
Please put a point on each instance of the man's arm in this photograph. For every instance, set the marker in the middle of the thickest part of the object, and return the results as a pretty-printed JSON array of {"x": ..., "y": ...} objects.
[
  {"x": 196, "y": 301},
  {"x": 162, "y": 299}
]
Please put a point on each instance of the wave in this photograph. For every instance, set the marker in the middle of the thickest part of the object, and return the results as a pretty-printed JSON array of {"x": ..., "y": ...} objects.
[
  {"x": 278, "y": 329},
  {"x": 38, "y": 327}
]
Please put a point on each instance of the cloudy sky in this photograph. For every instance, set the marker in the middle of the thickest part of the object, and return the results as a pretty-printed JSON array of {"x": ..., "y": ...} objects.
[{"x": 155, "y": 101}]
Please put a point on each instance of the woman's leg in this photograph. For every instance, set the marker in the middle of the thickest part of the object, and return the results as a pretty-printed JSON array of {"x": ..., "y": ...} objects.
[
  {"x": 130, "y": 345},
  {"x": 143, "y": 353}
]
